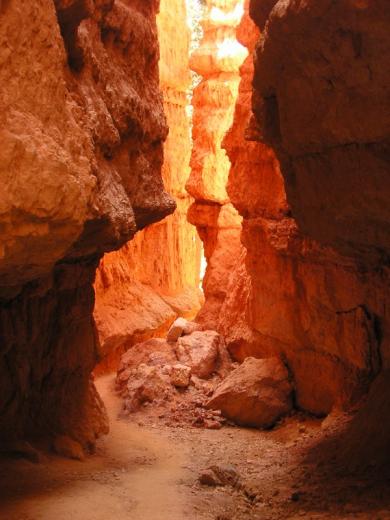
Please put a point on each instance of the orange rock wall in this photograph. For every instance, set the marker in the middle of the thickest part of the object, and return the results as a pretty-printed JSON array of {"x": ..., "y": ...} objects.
[
  {"x": 144, "y": 286},
  {"x": 217, "y": 60},
  {"x": 323, "y": 107},
  {"x": 322, "y": 312},
  {"x": 82, "y": 130}
]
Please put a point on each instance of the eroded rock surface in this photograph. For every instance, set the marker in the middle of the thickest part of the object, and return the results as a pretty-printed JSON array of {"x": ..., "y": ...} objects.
[
  {"x": 82, "y": 131},
  {"x": 323, "y": 106},
  {"x": 293, "y": 296}
]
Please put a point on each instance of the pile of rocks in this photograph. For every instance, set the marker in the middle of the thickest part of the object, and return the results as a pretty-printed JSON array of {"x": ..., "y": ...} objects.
[
  {"x": 176, "y": 375},
  {"x": 190, "y": 378}
]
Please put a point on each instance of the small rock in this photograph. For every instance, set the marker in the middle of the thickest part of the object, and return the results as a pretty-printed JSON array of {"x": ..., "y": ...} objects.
[
  {"x": 68, "y": 448},
  {"x": 209, "y": 478},
  {"x": 181, "y": 327},
  {"x": 211, "y": 424},
  {"x": 166, "y": 370},
  {"x": 251, "y": 490},
  {"x": 180, "y": 375},
  {"x": 228, "y": 474}
]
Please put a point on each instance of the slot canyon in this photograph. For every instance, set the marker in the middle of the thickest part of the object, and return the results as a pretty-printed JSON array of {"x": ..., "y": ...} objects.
[{"x": 195, "y": 259}]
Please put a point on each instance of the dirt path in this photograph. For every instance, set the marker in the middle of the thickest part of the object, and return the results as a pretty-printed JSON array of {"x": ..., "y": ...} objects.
[
  {"x": 134, "y": 475},
  {"x": 148, "y": 469}
]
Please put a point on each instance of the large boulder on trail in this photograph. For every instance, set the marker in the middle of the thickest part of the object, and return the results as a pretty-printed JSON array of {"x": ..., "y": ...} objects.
[{"x": 256, "y": 394}]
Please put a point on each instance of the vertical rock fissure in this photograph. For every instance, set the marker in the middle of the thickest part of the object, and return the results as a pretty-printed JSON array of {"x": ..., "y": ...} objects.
[
  {"x": 144, "y": 286},
  {"x": 269, "y": 288},
  {"x": 217, "y": 62},
  {"x": 288, "y": 191}
]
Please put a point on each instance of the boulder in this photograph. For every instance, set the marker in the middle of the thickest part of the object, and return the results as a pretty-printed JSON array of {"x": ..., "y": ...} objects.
[
  {"x": 145, "y": 384},
  {"x": 154, "y": 352},
  {"x": 256, "y": 394},
  {"x": 180, "y": 375},
  {"x": 200, "y": 351},
  {"x": 181, "y": 327},
  {"x": 68, "y": 448}
]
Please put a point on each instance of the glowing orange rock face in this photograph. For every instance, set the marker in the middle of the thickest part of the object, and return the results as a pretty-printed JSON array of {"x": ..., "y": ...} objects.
[
  {"x": 141, "y": 288},
  {"x": 294, "y": 297},
  {"x": 218, "y": 60}
]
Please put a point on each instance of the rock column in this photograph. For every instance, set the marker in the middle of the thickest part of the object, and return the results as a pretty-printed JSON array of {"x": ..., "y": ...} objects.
[{"x": 217, "y": 61}]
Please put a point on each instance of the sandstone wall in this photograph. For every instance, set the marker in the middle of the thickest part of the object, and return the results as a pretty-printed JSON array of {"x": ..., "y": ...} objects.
[
  {"x": 324, "y": 313},
  {"x": 217, "y": 60},
  {"x": 323, "y": 107},
  {"x": 144, "y": 286},
  {"x": 82, "y": 131}
]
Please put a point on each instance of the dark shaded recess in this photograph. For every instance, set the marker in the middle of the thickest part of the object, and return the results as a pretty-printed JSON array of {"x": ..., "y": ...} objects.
[
  {"x": 48, "y": 347},
  {"x": 149, "y": 214},
  {"x": 259, "y": 11},
  {"x": 99, "y": 236},
  {"x": 272, "y": 119},
  {"x": 69, "y": 19},
  {"x": 3, "y": 5}
]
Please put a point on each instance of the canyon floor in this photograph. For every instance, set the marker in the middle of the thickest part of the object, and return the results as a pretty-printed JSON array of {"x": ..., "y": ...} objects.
[{"x": 150, "y": 470}]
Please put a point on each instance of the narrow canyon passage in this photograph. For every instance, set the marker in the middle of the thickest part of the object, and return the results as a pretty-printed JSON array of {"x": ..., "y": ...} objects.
[
  {"x": 194, "y": 260},
  {"x": 130, "y": 466}
]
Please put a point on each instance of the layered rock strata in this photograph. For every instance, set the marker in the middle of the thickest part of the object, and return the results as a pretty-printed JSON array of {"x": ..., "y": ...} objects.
[
  {"x": 217, "y": 60},
  {"x": 143, "y": 287},
  {"x": 323, "y": 107},
  {"x": 322, "y": 312},
  {"x": 82, "y": 131}
]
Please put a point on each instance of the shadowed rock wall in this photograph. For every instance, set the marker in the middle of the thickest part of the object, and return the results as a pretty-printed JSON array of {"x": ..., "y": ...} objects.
[
  {"x": 82, "y": 131},
  {"x": 323, "y": 107},
  {"x": 322, "y": 312}
]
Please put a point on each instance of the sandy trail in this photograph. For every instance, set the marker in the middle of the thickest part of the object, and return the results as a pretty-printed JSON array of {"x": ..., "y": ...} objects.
[
  {"x": 150, "y": 472},
  {"x": 134, "y": 475}
]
